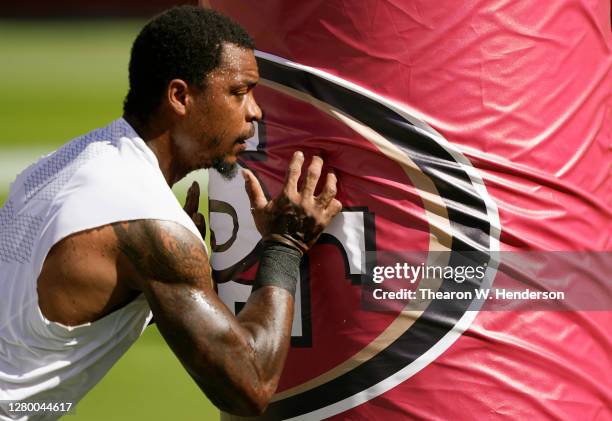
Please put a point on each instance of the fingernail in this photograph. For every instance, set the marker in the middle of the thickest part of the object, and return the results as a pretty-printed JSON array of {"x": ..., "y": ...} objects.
[{"x": 299, "y": 154}]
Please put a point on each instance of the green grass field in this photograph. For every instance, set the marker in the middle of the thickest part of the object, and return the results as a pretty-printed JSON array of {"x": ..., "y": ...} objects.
[{"x": 59, "y": 80}]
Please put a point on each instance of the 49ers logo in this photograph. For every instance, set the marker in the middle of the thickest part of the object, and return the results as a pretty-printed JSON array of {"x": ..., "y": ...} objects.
[{"x": 403, "y": 187}]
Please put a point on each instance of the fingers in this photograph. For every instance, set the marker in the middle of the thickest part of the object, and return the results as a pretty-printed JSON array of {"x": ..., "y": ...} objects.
[
  {"x": 192, "y": 202},
  {"x": 253, "y": 188},
  {"x": 312, "y": 176},
  {"x": 199, "y": 220},
  {"x": 293, "y": 173},
  {"x": 200, "y": 223},
  {"x": 329, "y": 190},
  {"x": 193, "y": 199},
  {"x": 334, "y": 207}
]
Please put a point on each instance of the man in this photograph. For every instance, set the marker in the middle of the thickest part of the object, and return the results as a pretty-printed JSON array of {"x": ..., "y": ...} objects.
[{"x": 93, "y": 243}]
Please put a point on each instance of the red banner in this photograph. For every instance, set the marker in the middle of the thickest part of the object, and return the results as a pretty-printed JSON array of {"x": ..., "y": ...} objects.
[{"x": 480, "y": 129}]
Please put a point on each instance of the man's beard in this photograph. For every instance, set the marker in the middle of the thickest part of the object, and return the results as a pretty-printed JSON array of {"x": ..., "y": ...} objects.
[{"x": 227, "y": 170}]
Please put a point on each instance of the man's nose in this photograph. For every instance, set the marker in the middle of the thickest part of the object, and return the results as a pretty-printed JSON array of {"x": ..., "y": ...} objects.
[{"x": 253, "y": 110}]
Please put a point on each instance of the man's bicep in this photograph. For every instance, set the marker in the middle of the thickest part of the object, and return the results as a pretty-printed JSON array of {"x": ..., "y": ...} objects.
[{"x": 164, "y": 251}]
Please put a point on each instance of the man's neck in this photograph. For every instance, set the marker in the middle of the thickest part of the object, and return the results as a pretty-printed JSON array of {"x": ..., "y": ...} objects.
[{"x": 157, "y": 138}]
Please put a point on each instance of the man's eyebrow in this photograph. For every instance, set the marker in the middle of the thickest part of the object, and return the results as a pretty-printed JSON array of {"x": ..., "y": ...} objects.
[{"x": 248, "y": 82}]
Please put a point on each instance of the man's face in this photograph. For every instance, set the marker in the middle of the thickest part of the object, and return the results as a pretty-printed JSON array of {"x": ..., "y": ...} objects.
[{"x": 223, "y": 114}]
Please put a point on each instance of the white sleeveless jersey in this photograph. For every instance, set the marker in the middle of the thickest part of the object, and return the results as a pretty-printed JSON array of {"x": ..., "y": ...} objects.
[{"x": 105, "y": 176}]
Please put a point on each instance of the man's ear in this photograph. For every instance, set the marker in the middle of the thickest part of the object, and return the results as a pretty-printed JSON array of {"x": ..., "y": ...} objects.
[{"x": 178, "y": 96}]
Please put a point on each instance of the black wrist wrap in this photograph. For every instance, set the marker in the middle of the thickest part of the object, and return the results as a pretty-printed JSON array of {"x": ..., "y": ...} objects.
[{"x": 279, "y": 266}]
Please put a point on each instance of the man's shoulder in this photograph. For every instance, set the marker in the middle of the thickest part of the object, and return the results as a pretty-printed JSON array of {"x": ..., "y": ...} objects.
[
  {"x": 115, "y": 180},
  {"x": 50, "y": 173},
  {"x": 116, "y": 166}
]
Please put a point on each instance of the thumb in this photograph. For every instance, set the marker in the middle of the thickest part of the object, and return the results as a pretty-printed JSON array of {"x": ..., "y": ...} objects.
[
  {"x": 253, "y": 188},
  {"x": 193, "y": 199}
]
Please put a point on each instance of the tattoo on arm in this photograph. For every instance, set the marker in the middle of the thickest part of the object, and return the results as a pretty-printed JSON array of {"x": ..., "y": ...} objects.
[{"x": 162, "y": 251}]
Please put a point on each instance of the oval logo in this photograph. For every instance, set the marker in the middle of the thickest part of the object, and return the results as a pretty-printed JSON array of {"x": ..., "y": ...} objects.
[{"x": 403, "y": 187}]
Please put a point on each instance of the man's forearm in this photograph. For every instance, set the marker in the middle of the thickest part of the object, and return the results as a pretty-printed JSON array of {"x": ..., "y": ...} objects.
[{"x": 268, "y": 314}]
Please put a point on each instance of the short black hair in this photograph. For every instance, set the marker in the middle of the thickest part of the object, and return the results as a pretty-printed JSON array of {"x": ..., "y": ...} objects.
[{"x": 184, "y": 42}]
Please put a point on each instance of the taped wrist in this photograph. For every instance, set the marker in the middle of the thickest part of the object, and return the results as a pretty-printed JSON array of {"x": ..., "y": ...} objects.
[{"x": 279, "y": 266}]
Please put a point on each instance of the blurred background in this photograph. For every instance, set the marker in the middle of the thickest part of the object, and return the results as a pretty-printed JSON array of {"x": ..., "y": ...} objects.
[{"x": 63, "y": 73}]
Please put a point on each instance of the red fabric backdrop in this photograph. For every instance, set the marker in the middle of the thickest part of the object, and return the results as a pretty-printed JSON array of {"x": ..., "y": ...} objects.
[{"x": 523, "y": 89}]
